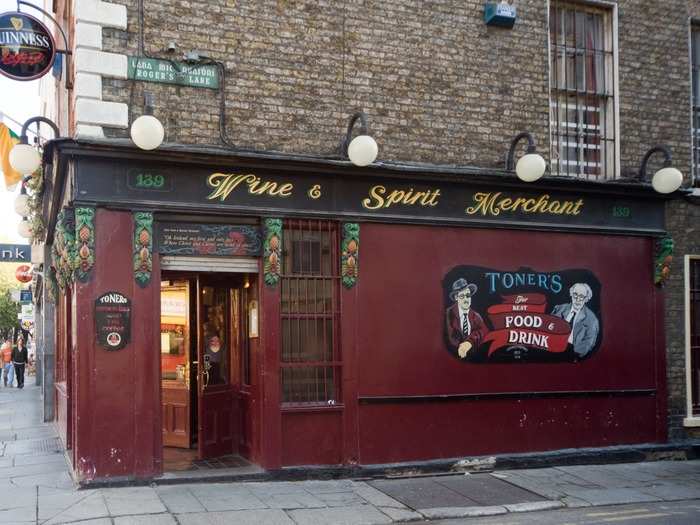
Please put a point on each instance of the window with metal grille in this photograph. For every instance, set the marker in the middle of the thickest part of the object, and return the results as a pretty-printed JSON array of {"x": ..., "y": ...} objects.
[
  {"x": 694, "y": 325},
  {"x": 582, "y": 91},
  {"x": 695, "y": 60},
  {"x": 310, "y": 360}
]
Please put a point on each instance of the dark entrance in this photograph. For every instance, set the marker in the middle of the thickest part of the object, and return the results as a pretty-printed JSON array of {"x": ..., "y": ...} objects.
[{"x": 201, "y": 331}]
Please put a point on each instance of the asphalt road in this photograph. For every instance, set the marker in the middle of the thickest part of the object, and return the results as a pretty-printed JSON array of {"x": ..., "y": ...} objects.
[{"x": 675, "y": 513}]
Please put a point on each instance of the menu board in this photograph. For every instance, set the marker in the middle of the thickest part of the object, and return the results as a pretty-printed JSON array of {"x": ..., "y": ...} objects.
[
  {"x": 223, "y": 240},
  {"x": 113, "y": 320}
]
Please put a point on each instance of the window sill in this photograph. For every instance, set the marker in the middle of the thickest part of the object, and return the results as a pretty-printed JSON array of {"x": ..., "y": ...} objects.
[
  {"x": 691, "y": 421},
  {"x": 312, "y": 408}
]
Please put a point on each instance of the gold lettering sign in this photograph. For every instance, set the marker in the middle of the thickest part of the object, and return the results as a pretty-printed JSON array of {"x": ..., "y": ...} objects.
[
  {"x": 224, "y": 183},
  {"x": 489, "y": 203},
  {"x": 381, "y": 197}
]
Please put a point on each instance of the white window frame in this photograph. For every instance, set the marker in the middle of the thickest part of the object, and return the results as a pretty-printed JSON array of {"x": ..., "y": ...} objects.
[
  {"x": 689, "y": 420},
  {"x": 613, "y": 8}
]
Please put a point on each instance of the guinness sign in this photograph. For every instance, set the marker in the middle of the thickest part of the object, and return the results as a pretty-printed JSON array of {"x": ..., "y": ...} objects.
[{"x": 27, "y": 48}]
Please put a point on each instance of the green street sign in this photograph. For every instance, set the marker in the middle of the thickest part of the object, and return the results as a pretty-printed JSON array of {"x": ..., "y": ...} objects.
[{"x": 179, "y": 73}]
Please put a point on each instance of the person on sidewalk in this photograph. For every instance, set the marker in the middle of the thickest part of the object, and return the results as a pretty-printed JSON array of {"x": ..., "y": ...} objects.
[
  {"x": 8, "y": 370},
  {"x": 20, "y": 356}
]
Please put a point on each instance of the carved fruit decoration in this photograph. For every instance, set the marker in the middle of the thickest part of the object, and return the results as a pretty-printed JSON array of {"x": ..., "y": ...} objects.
[
  {"x": 352, "y": 246},
  {"x": 144, "y": 237},
  {"x": 84, "y": 233},
  {"x": 84, "y": 251},
  {"x": 274, "y": 243},
  {"x": 350, "y": 265}
]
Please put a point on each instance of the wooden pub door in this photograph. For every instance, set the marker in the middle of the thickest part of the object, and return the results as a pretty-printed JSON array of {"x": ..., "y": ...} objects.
[
  {"x": 218, "y": 336},
  {"x": 200, "y": 336}
]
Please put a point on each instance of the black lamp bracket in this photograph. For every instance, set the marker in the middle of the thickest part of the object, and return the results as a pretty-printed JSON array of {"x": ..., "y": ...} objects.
[
  {"x": 24, "y": 139},
  {"x": 364, "y": 130},
  {"x": 531, "y": 146},
  {"x": 642, "y": 175},
  {"x": 66, "y": 47}
]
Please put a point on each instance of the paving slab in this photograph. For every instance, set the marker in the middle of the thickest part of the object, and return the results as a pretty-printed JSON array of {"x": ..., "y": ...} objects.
[
  {"x": 233, "y": 501},
  {"x": 293, "y": 501},
  {"x": 353, "y": 515},
  {"x": 18, "y": 515},
  {"x": 243, "y": 517},
  {"x": 672, "y": 491},
  {"x": 132, "y": 500},
  {"x": 179, "y": 499},
  {"x": 91, "y": 507},
  {"x": 263, "y": 488},
  {"x": 146, "y": 519},
  {"x": 609, "y": 496}
]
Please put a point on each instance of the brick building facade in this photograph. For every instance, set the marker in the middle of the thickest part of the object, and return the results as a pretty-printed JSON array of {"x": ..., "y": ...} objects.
[{"x": 441, "y": 88}]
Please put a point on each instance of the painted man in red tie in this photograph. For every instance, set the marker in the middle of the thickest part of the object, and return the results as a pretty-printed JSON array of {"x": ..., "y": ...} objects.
[{"x": 465, "y": 327}]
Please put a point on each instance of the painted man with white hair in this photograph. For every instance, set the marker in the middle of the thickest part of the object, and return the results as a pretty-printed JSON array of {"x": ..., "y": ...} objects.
[{"x": 584, "y": 323}]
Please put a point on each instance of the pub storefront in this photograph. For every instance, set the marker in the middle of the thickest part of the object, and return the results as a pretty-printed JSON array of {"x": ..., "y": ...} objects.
[{"x": 289, "y": 311}]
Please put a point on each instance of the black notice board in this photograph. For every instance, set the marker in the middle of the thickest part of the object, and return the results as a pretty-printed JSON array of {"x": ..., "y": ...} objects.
[
  {"x": 223, "y": 240},
  {"x": 113, "y": 320}
]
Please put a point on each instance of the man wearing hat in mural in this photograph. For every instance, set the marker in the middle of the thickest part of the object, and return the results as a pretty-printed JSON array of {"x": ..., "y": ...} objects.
[{"x": 465, "y": 327}]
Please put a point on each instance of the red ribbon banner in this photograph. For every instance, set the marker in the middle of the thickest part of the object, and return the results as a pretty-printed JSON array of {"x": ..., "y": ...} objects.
[{"x": 520, "y": 321}]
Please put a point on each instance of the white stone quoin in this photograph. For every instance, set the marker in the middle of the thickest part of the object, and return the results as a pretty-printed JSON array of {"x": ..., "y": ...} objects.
[{"x": 91, "y": 64}]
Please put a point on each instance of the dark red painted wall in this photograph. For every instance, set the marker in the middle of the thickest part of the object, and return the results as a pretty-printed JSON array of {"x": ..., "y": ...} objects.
[
  {"x": 401, "y": 348},
  {"x": 117, "y": 395}
]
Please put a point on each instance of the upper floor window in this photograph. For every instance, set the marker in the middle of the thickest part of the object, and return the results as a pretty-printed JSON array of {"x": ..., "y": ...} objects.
[
  {"x": 695, "y": 61},
  {"x": 582, "y": 91}
]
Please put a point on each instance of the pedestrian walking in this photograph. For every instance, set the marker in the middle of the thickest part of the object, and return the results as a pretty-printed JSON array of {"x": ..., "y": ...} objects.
[
  {"x": 8, "y": 369},
  {"x": 20, "y": 356}
]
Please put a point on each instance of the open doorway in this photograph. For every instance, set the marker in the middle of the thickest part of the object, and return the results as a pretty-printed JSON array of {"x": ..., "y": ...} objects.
[{"x": 204, "y": 353}]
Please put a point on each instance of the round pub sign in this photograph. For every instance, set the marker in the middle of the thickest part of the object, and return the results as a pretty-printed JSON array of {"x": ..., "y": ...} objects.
[{"x": 27, "y": 48}]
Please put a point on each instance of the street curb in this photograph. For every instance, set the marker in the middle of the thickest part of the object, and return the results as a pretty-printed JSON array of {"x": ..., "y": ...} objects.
[
  {"x": 462, "y": 512},
  {"x": 532, "y": 506}
]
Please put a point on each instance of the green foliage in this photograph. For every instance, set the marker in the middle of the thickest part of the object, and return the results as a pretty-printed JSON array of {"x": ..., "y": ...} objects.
[{"x": 8, "y": 312}]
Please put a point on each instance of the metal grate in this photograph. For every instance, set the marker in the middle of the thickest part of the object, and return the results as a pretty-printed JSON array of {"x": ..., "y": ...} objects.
[
  {"x": 694, "y": 290},
  {"x": 310, "y": 355},
  {"x": 582, "y": 91},
  {"x": 46, "y": 446}
]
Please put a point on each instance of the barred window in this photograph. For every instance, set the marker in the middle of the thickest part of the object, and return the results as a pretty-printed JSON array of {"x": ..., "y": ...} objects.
[
  {"x": 693, "y": 363},
  {"x": 695, "y": 60},
  {"x": 582, "y": 91},
  {"x": 310, "y": 358}
]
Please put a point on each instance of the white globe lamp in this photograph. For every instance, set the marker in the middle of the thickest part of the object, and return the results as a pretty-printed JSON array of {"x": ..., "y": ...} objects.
[
  {"x": 25, "y": 159},
  {"x": 147, "y": 132},
  {"x": 24, "y": 229},
  {"x": 22, "y": 204},
  {"x": 530, "y": 167},
  {"x": 667, "y": 180},
  {"x": 363, "y": 150}
]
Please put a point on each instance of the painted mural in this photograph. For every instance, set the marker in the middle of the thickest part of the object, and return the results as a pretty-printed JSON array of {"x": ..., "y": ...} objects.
[{"x": 523, "y": 315}]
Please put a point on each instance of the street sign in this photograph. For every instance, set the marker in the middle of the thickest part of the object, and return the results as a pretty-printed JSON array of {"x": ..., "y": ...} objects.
[
  {"x": 25, "y": 296},
  {"x": 170, "y": 72},
  {"x": 15, "y": 253}
]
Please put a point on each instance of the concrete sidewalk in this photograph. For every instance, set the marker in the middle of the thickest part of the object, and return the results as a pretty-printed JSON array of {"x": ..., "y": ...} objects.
[{"x": 35, "y": 488}]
